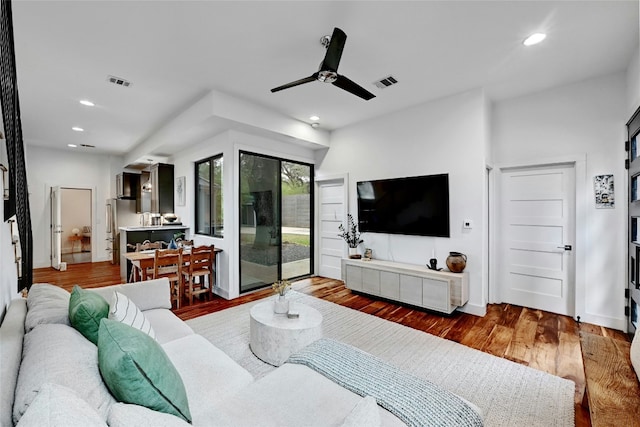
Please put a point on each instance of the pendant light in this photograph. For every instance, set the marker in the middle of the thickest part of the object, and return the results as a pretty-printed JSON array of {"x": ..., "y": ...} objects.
[{"x": 146, "y": 187}]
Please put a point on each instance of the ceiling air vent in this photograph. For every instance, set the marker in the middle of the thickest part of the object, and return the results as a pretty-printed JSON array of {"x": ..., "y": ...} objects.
[
  {"x": 385, "y": 82},
  {"x": 118, "y": 81}
]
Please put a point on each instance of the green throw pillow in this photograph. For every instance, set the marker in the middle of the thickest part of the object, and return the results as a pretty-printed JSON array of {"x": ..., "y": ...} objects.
[
  {"x": 137, "y": 370},
  {"x": 86, "y": 310}
]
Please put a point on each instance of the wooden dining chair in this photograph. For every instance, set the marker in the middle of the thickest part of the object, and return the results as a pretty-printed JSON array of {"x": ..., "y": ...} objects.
[
  {"x": 168, "y": 263},
  {"x": 144, "y": 246},
  {"x": 201, "y": 266},
  {"x": 182, "y": 243},
  {"x": 147, "y": 245}
]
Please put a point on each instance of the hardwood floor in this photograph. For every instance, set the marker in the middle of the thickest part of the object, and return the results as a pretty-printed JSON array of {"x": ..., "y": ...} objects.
[{"x": 538, "y": 339}]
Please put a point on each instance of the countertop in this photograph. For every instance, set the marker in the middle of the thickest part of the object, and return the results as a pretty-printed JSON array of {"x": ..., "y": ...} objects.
[{"x": 154, "y": 227}]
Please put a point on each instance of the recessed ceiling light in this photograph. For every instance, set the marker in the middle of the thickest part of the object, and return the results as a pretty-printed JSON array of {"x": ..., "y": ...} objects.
[
  {"x": 314, "y": 118},
  {"x": 315, "y": 125},
  {"x": 87, "y": 103},
  {"x": 77, "y": 129},
  {"x": 534, "y": 39},
  {"x": 72, "y": 145}
]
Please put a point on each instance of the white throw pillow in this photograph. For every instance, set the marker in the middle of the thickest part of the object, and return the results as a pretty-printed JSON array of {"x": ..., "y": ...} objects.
[{"x": 125, "y": 311}]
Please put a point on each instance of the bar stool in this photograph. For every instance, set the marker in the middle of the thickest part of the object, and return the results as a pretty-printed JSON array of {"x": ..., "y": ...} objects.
[{"x": 201, "y": 266}]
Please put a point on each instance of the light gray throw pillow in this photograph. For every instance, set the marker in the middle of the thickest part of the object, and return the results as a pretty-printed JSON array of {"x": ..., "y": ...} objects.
[
  {"x": 635, "y": 353},
  {"x": 11, "y": 335},
  {"x": 61, "y": 355},
  {"x": 126, "y": 415},
  {"x": 46, "y": 304},
  {"x": 56, "y": 405}
]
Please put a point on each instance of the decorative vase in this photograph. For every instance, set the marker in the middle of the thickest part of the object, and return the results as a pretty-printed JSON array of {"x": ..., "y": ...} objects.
[
  {"x": 281, "y": 305},
  {"x": 456, "y": 261},
  {"x": 353, "y": 252}
]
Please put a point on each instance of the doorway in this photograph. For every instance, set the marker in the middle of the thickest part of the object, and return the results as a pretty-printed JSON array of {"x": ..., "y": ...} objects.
[
  {"x": 536, "y": 229},
  {"x": 276, "y": 218},
  {"x": 71, "y": 219},
  {"x": 332, "y": 200}
]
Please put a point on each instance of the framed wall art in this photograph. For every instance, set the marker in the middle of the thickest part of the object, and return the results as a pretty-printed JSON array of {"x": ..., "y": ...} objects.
[
  {"x": 180, "y": 190},
  {"x": 604, "y": 191}
]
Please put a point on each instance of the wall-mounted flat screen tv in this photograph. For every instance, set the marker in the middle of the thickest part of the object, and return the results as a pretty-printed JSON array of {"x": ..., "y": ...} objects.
[{"x": 415, "y": 206}]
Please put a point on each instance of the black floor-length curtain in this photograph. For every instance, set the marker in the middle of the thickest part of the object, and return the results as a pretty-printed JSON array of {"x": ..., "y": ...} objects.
[{"x": 18, "y": 203}]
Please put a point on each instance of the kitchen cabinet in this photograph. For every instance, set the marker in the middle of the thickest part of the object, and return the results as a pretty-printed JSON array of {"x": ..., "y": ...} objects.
[
  {"x": 162, "y": 188},
  {"x": 442, "y": 291}
]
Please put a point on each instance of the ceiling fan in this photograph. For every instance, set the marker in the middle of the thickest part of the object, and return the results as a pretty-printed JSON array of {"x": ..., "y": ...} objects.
[{"x": 328, "y": 71}]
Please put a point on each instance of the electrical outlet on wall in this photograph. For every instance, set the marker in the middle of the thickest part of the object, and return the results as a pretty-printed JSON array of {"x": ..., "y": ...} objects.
[{"x": 467, "y": 224}]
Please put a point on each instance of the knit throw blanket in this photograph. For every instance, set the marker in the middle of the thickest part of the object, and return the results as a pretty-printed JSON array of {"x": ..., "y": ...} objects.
[{"x": 413, "y": 400}]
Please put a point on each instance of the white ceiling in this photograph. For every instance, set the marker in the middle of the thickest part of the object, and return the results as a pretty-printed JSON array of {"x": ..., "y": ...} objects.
[{"x": 174, "y": 52}]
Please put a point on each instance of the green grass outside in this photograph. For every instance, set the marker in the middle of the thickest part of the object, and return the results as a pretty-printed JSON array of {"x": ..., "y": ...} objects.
[{"x": 298, "y": 239}]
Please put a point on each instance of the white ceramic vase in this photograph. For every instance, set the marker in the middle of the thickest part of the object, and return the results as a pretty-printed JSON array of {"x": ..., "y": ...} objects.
[
  {"x": 281, "y": 305},
  {"x": 353, "y": 251}
]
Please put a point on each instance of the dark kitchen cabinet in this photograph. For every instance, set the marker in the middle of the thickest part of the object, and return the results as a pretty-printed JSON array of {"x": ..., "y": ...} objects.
[{"x": 162, "y": 188}]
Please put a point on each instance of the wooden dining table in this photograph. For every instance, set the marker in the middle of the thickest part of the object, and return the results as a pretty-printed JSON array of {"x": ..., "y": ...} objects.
[{"x": 142, "y": 261}]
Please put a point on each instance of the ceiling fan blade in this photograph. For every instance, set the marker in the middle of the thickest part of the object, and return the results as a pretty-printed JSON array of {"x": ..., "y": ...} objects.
[
  {"x": 344, "y": 83},
  {"x": 334, "y": 51},
  {"x": 309, "y": 79}
]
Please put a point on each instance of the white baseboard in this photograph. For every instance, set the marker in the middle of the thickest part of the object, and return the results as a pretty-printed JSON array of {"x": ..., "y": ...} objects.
[
  {"x": 475, "y": 309},
  {"x": 221, "y": 292},
  {"x": 619, "y": 324}
]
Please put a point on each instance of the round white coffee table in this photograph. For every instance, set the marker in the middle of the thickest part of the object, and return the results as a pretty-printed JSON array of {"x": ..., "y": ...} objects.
[{"x": 274, "y": 337}]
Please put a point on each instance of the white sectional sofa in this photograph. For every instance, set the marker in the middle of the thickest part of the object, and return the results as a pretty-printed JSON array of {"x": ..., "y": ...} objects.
[{"x": 50, "y": 374}]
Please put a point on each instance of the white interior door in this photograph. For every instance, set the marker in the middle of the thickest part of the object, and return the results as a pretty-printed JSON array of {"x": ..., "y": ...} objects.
[
  {"x": 537, "y": 229},
  {"x": 56, "y": 227},
  {"x": 332, "y": 208}
]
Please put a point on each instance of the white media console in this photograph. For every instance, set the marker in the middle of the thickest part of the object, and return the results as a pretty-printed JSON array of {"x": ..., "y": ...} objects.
[{"x": 442, "y": 291}]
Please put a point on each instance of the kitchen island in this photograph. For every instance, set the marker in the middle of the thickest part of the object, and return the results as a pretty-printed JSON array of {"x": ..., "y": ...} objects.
[{"x": 138, "y": 234}]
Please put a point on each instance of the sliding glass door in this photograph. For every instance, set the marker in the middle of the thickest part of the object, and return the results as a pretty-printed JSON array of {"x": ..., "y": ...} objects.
[
  {"x": 296, "y": 219},
  {"x": 276, "y": 205}
]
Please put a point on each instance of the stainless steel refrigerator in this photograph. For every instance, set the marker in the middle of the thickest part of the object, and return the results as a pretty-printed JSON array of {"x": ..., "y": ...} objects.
[{"x": 120, "y": 213}]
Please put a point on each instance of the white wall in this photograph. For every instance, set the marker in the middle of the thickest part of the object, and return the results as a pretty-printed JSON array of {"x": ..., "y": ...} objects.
[
  {"x": 585, "y": 119},
  {"x": 633, "y": 84},
  {"x": 9, "y": 276},
  {"x": 633, "y": 79},
  {"x": 443, "y": 136},
  {"x": 71, "y": 169},
  {"x": 229, "y": 143}
]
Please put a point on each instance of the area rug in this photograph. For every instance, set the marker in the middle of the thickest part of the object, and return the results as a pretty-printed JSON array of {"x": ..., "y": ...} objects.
[{"x": 509, "y": 394}]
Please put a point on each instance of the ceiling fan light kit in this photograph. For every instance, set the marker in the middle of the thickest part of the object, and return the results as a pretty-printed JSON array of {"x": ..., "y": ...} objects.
[{"x": 328, "y": 71}]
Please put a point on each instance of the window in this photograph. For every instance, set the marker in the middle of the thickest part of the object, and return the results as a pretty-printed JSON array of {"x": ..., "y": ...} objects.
[{"x": 209, "y": 216}]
